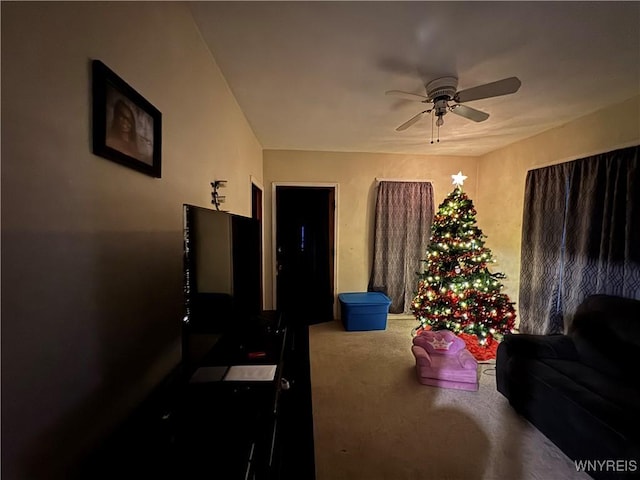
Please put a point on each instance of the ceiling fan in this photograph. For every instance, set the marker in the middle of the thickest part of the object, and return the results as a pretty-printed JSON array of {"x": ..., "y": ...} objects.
[{"x": 443, "y": 97}]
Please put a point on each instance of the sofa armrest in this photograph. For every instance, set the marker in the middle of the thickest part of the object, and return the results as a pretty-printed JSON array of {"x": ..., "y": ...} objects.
[
  {"x": 422, "y": 357},
  {"x": 467, "y": 360},
  {"x": 540, "y": 346}
]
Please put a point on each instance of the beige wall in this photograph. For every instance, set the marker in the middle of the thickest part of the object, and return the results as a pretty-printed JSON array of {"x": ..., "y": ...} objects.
[
  {"x": 502, "y": 175},
  {"x": 355, "y": 175},
  {"x": 92, "y": 250}
]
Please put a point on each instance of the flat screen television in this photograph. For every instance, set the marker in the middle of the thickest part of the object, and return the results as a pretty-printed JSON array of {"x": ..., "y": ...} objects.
[{"x": 222, "y": 271}]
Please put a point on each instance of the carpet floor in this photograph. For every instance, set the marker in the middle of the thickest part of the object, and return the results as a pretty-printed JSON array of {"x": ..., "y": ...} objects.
[{"x": 374, "y": 421}]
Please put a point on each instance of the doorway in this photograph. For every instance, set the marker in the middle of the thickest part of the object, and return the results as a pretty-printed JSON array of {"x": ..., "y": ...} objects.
[{"x": 305, "y": 251}]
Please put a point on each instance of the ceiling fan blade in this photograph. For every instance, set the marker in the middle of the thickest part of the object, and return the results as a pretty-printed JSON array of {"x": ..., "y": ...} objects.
[
  {"x": 411, "y": 121},
  {"x": 470, "y": 113},
  {"x": 493, "y": 89},
  {"x": 407, "y": 95}
]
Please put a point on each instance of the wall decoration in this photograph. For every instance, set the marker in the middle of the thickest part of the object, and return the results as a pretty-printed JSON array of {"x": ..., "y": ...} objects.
[
  {"x": 126, "y": 127},
  {"x": 216, "y": 198}
]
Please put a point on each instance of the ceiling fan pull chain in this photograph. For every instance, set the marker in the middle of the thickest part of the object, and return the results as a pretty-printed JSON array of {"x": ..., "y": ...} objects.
[{"x": 432, "y": 116}]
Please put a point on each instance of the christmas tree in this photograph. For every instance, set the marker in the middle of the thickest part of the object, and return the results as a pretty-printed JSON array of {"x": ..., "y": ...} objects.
[{"x": 456, "y": 291}]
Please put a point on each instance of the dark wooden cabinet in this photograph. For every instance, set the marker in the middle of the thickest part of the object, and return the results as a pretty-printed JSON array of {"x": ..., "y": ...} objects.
[{"x": 258, "y": 430}]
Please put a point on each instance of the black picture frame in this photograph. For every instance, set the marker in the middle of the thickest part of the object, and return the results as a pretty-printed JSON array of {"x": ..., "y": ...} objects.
[{"x": 126, "y": 127}]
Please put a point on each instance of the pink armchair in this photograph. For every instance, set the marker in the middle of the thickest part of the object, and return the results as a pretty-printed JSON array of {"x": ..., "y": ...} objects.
[{"x": 442, "y": 360}]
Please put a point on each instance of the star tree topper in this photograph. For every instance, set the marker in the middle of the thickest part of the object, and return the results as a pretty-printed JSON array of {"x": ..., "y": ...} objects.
[{"x": 458, "y": 179}]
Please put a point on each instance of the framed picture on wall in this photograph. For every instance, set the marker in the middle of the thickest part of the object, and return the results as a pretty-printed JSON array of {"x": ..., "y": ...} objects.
[{"x": 126, "y": 127}]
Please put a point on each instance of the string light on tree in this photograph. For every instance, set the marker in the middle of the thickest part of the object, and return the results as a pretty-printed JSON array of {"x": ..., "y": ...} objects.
[{"x": 456, "y": 290}]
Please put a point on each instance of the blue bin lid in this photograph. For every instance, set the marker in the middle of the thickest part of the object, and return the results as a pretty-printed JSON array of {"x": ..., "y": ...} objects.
[{"x": 365, "y": 298}]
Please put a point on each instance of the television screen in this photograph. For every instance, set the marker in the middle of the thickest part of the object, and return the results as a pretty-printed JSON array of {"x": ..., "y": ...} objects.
[{"x": 222, "y": 270}]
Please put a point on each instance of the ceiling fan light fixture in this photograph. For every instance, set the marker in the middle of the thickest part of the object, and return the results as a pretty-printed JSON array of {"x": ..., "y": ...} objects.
[{"x": 439, "y": 121}]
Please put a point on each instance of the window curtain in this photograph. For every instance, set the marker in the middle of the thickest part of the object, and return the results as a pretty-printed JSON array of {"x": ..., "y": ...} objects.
[
  {"x": 403, "y": 216},
  {"x": 580, "y": 236}
]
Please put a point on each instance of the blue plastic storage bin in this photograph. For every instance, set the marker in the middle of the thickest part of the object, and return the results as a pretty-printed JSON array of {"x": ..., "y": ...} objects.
[{"x": 364, "y": 311}]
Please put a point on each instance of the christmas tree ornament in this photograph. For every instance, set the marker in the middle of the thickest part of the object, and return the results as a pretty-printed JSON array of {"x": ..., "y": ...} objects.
[{"x": 458, "y": 179}]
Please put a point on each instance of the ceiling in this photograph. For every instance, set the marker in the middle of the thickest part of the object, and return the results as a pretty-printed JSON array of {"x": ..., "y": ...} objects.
[{"x": 313, "y": 75}]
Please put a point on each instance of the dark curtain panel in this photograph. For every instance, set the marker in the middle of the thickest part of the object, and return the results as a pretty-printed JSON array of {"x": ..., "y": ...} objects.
[
  {"x": 403, "y": 216},
  {"x": 603, "y": 239},
  {"x": 542, "y": 248},
  {"x": 593, "y": 246}
]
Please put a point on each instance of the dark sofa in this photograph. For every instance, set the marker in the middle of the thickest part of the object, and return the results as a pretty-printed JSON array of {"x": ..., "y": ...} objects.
[{"x": 582, "y": 389}]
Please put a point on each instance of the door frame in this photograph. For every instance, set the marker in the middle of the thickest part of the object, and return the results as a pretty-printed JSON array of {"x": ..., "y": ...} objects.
[
  {"x": 274, "y": 223},
  {"x": 254, "y": 182}
]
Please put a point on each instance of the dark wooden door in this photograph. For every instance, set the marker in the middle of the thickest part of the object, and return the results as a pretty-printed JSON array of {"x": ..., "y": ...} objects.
[{"x": 304, "y": 252}]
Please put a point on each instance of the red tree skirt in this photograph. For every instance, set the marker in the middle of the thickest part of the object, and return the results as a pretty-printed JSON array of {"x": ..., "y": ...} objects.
[{"x": 480, "y": 352}]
